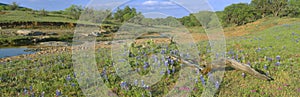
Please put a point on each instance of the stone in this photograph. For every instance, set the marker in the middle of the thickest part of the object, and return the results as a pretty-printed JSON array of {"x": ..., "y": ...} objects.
[{"x": 24, "y": 32}]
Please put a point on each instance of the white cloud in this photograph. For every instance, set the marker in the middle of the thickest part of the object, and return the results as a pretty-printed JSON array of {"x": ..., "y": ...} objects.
[
  {"x": 157, "y": 3},
  {"x": 167, "y": 3},
  {"x": 150, "y": 3}
]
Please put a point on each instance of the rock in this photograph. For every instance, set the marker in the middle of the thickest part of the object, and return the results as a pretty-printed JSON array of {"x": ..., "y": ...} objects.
[
  {"x": 108, "y": 43},
  {"x": 30, "y": 33},
  {"x": 36, "y": 33},
  {"x": 24, "y": 32},
  {"x": 52, "y": 33},
  {"x": 96, "y": 33}
]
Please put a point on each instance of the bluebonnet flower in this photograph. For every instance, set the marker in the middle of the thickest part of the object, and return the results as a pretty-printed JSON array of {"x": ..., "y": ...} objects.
[
  {"x": 196, "y": 80},
  {"x": 249, "y": 64},
  {"x": 30, "y": 88},
  {"x": 142, "y": 83},
  {"x": 68, "y": 78},
  {"x": 166, "y": 63},
  {"x": 278, "y": 57},
  {"x": 163, "y": 52},
  {"x": 123, "y": 85},
  {"x": 73, "y": 84},
  {"x": 244, "y": 75},
  {"x": 25, "y": 91},
  {"x": 217, "y": 84},
  {"x": 58, "y": 93},
  {"x": 258, "y": 49},
  {"x": 136, "y": 82},
  {"x": 202, "y": 79},
  {"x": 162, "y": 72},
  {"x": 168, "y": 71},
  {"x": 270, "y": 59},
  {"x": 172, "y": 62},
  {"x": 173, "y": 70},
  {"x": 277, "y": 63},
  {"x": 146, "y": 65},
  {"x": 265, "y": 67}
]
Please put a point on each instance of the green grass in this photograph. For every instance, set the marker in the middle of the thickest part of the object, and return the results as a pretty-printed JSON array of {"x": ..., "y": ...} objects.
[
  {"x": 48, "y": 72},
  {"x": 24, "y": 16}
]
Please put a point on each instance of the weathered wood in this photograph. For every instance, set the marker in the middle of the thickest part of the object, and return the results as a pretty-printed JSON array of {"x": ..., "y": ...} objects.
[{"x": 222, "y": 63}]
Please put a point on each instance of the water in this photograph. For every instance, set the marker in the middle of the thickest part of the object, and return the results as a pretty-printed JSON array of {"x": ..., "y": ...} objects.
[{"x": 13, "y": 51}]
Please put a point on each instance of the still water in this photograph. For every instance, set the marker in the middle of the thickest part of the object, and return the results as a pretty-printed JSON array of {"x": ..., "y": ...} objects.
[{"x": 13, "y": 51}]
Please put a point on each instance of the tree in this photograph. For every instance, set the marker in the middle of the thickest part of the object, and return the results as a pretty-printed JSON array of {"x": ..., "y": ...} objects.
[
  {"x": 43, "y": 12},
  {"x": 276, "y": 6},
  {"x": 261, "y": 6},
  {"x": 1, "y": 8},
  {"x": 238, "y": 14},
  {"x": 204, "y": 17},
  {"x": 14, "y": 6},
  {"x": 293, "y": 8},
  {"x": 74, "y": 11}
]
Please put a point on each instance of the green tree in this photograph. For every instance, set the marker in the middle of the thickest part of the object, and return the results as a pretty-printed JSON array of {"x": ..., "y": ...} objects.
[
  {"x": 2, "y": 8},
  {"x": 204, "y": 17},
  {"x": 43, "y": 12},
  {"x": 74, "y": 11},
  {"x": 262, "y": 7},
  {"x": 277, "y": 6},
  {"x": 293, "y": 8},
  {"x": 238, "y": 14},
  {"x": 13, "y": 6}
]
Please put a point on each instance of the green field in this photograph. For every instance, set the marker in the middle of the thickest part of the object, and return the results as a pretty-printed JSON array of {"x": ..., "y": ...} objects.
[{"x": 49, "y": 73}]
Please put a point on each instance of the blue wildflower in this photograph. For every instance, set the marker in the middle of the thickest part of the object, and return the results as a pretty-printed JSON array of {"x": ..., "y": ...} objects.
[
  {"x": 265, "y": 67},
  {"x": 173, "y": 70},
  {"x": 142, "y": 83},
  {"x": 277, "y": 63},
  {"x": 202, "y": 79},
  {"x": 30, "y": 88},
  {"x": 244, "y": 75},
  {"x": 25, "y": 91},
  {"x": 166, "y": 63},
  {"x": 136, "y": 82},
  {"x": 217, "y": 84},
  {"x": 278, "y": 57},
  {"x": 68, "y": 78},
  {"x": 73, "y": 84},
  {"x": 168, "y": 71},
  {"x": 172, "y": 62},
  {"x": 163, "y": 52},
  {"x": 58, "y": 93}
]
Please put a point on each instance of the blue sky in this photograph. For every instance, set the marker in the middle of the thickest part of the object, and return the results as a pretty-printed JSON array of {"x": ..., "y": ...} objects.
[{"x": 178, "y": 8}]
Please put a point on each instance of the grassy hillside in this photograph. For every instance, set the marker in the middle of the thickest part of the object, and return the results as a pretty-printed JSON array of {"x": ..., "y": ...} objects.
[
  {"x": 51, "y": 72},
  {"x": 23, "y": 16},
  {"x": 260, "y": 50}
]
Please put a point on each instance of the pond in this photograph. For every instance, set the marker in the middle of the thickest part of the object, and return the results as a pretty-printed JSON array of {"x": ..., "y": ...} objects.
[{"x": 13, "y": 51}]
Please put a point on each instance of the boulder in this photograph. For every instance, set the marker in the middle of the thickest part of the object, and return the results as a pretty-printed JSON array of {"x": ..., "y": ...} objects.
[
  {"x": 36, "y": 33},
  {"x": 52, "y": 33},
  {"x": 96, "y": 33},
  {"x": 24, "y": 32}
]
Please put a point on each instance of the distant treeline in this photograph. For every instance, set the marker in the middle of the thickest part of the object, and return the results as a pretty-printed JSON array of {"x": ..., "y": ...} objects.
[{"x": 235, "y": 14}]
